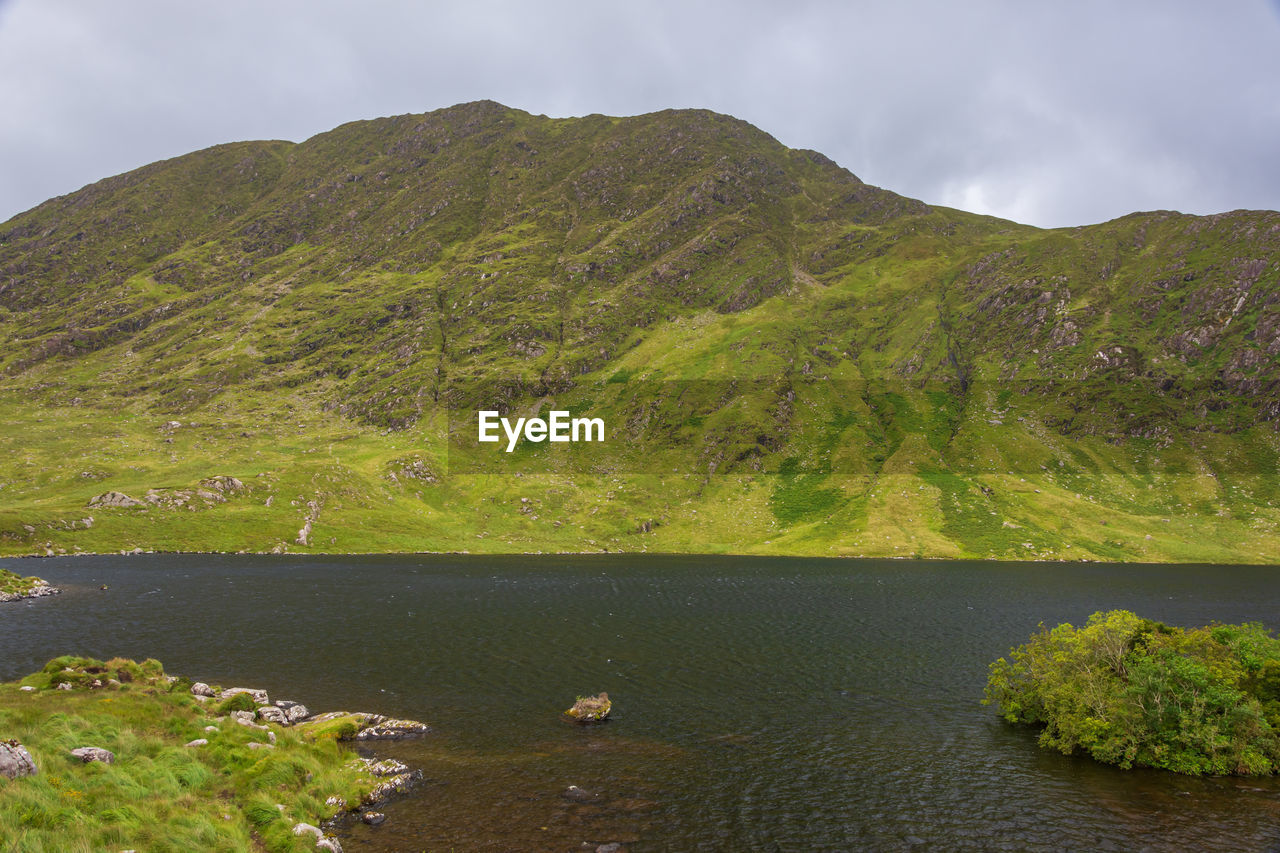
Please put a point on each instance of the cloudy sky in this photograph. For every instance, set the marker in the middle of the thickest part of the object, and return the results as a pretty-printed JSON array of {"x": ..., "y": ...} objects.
[{"x": 1047, "y": 113}]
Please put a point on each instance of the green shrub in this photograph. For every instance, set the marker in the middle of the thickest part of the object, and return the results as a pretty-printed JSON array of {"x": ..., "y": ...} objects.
[
  {"x": 237, "y": 702},
  {"x": 1132, "y": 692}
]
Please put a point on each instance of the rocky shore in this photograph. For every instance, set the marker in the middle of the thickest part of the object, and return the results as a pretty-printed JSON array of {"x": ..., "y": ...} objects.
[
  {"x": 225, "y": 722},
  {"x": 36, "y": 588}
]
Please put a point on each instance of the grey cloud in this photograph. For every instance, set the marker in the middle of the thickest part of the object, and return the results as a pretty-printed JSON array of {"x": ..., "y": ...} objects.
[{"x": 1054, "y": 114}]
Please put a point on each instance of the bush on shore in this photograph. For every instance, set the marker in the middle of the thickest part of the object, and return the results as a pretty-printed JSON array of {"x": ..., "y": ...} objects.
[{"x": 1137, "y": 693}]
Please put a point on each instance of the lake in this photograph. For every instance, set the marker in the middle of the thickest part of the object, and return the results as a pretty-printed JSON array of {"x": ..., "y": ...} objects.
[{"x": 759, "y": 703}]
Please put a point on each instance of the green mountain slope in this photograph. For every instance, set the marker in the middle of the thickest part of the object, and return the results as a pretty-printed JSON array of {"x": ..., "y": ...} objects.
[{"x": 788, "y": 359}]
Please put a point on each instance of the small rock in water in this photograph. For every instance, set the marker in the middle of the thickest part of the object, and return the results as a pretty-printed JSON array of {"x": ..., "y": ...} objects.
[
  {"x": 590, "y": 709},
  {"x": 373, "y": 818},
  {"x": 578, "y": 795}
]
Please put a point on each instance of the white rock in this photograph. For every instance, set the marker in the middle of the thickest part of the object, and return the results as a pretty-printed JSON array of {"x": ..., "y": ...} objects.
[
  {"x": 94, "y": 753},
  {"x": 258, "y": 696},
  {"x": 272, "y": 714},
  {"x": 15, "y": 761}
]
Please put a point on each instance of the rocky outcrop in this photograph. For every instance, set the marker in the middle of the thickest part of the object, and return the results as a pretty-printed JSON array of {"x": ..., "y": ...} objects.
[
  {"x": 223, "y": 484},
  {"x": 114, "y": 499},
  {"x": 15, "y": 761},
  {"x": 323, "y": 842},
  {"x": 258, "y": 696},
  {"x": 396, "y": 778},
  {"x": 38, "y": 589},
  {"x": 362, "y": 726},
  {"x": 304, "y": 534}
]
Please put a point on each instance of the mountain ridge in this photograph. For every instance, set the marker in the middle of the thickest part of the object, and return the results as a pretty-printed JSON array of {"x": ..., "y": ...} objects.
[{"x": 378, "y": 281}]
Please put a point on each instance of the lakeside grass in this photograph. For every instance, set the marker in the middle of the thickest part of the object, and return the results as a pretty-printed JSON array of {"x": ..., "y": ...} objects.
[
  {"x": 12, "y": 583},
  {"x": 158, "y": 795}
]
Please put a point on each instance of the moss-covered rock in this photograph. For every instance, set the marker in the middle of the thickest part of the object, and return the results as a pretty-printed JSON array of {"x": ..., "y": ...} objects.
[{"x": 590, "y": 709}]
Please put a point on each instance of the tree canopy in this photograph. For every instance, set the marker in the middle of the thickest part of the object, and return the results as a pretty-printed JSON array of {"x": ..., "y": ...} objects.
[{"x": 1134, "y": 692}]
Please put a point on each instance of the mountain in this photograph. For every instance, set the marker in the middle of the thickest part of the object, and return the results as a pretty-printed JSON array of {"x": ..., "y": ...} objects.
[{"x": 265, "y": 344}]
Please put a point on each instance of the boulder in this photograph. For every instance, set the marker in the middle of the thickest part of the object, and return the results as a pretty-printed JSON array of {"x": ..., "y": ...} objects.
[
  {"x": 200, "y": 741},
  {"x": 296, "y": 712},
  {"x": 94, "y": 753},
  {"x": 15, "y": 761},
  {"x": 272, "y": 714},
  {"x": 202, "y": 689}
]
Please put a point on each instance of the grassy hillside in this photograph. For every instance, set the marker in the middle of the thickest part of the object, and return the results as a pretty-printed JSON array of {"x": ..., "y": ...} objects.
[{"x": 788, "y": 359}]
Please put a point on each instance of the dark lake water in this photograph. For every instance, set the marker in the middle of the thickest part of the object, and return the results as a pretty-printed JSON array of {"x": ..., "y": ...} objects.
[{"x": 759, "y": 704}]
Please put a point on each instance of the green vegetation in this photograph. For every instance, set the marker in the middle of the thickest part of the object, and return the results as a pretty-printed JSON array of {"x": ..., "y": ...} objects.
[
  {"x": 158, "y": 794},
  {"x": 1134, "y": 692},
  {"x": 12, "y": 584},
  {"x": 788, "y": 359}
]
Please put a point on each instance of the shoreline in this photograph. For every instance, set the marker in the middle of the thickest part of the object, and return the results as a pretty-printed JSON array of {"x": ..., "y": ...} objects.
[
  {"x": 137, "y": 552},
  {"x": 229, "y": 730}
]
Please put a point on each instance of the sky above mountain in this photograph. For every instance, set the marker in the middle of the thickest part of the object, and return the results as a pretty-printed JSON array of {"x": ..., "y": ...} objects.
[{"x": 1050, "y": 114}]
